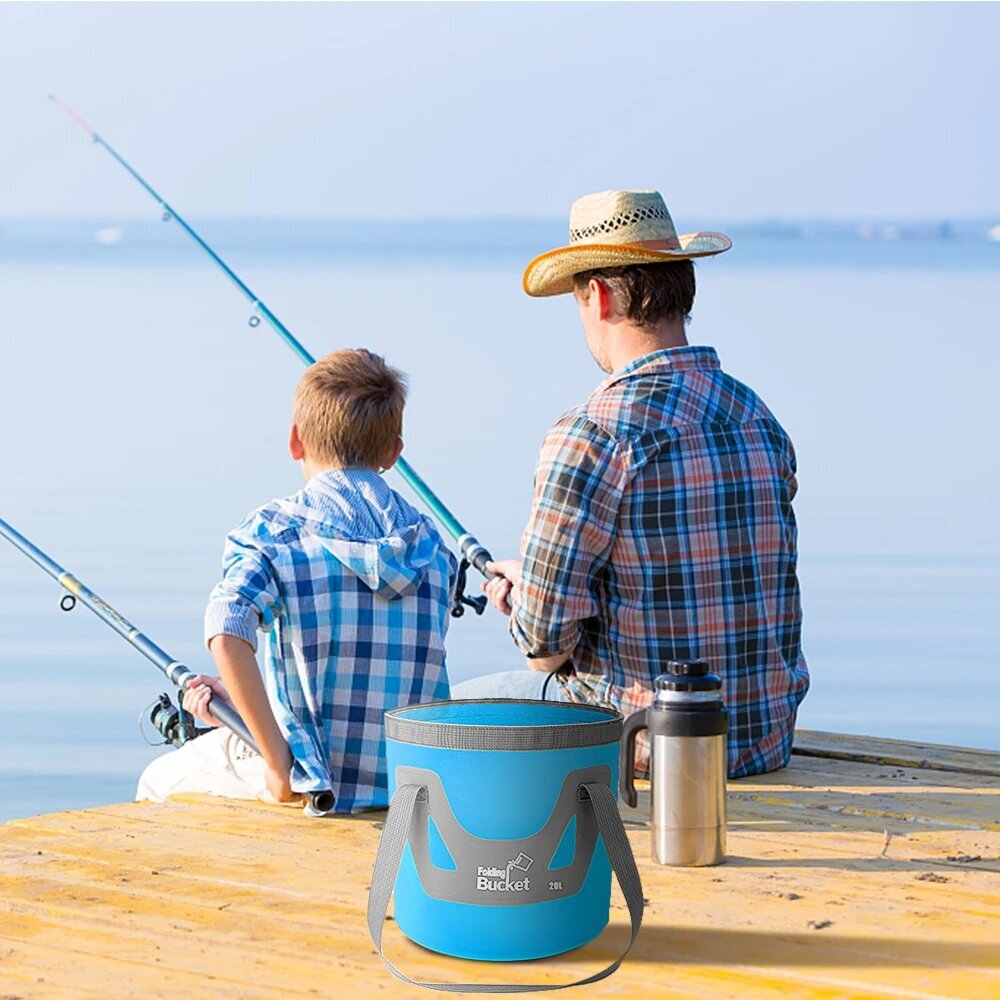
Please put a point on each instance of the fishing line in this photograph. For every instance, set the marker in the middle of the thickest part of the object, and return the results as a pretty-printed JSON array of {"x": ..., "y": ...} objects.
[
  {"x": 472, "y": 551},
  {"x": 545, "y": 684}
]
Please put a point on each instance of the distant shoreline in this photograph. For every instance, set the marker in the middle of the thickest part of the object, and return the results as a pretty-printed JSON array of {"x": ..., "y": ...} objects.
[
  {"x": 860, "y": 227},
  {"x": 963, "y": 244}
]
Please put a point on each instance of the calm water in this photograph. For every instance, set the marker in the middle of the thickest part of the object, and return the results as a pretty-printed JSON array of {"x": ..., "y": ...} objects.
[{"x": 142, "y": 418}]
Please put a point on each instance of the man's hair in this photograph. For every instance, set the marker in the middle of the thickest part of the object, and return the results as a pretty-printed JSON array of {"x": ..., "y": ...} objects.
[
  {"x": 349, "y": 408},
  {"x": 646, "y": 293}
]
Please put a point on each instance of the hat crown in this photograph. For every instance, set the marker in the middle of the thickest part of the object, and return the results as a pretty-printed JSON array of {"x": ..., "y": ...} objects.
[{"x": 613, "y": 217}]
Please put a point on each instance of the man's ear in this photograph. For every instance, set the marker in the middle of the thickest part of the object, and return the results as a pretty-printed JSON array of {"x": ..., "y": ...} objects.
[
  {"x": 393, "y": 456},
  {"x": 295, "y": 447},
  {"x": 606, "y": 305}
]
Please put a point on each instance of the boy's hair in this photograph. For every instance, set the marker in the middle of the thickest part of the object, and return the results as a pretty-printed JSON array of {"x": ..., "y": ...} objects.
[
  {"x": 646, "y": 293},
  {"x": 349, "y": 409}
]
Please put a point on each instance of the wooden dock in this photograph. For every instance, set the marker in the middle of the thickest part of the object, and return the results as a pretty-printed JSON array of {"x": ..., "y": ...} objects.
[{"x": 877, "y": 877}]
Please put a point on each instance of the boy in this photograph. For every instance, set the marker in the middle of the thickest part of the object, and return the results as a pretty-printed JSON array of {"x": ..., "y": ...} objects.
[{"x": 351, "y": 587}]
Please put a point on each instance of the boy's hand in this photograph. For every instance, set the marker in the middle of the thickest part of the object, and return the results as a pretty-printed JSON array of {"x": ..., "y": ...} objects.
[
  {"x": 197, "y": 695},
  {"x": 279, "y": 784},
  {"x": 498, "y": 589}
]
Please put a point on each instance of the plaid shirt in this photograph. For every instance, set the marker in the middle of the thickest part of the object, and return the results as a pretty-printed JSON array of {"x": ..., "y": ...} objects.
[
  {"x": 662, "y": 528},
  {"x": 351, "y": 586}
]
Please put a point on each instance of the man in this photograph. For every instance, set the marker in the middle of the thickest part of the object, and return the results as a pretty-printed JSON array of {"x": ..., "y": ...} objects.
[{"x": 662, "y": 524}]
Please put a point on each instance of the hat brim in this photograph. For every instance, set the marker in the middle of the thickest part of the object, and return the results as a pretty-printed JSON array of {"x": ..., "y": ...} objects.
[{"x": 552, "y": 273}]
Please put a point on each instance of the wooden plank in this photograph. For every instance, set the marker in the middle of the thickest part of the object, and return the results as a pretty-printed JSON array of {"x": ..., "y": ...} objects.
[
  {"x": 844, "y": 879},
  {"x": 62, "y": 969},
  {"x": 188, "y": 889},
  {"x": 730, "y": 941},
  {"x": 874, "y": 750}
]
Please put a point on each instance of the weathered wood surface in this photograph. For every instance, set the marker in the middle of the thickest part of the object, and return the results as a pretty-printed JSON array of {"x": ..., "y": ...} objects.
[
  {"x": 844, "y": 880},
  {"x": 933, "y": 756}
]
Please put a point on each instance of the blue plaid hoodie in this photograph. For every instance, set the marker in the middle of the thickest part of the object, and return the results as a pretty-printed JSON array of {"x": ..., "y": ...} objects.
[{"x": 351, "y": 587}]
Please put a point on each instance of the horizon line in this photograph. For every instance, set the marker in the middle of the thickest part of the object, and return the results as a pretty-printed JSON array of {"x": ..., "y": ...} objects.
[{"x": 924, "y": 219}]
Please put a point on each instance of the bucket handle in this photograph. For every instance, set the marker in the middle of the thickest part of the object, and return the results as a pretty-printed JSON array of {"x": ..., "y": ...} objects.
[{"x": 390, "y": 854}]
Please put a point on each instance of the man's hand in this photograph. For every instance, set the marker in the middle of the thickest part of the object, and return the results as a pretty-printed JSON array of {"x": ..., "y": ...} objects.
[
  {"x": 498, "y": 589},
  {"x": 197, "y": 695},
  {"x": 279, "y": 784}
]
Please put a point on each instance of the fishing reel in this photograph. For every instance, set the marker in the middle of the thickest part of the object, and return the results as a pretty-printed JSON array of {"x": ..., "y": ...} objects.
[
  {"x": 175, "y": 725},
  {"x": 461, "y": 600}
]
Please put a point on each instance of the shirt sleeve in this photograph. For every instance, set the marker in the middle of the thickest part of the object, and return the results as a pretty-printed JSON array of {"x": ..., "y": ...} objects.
[
  {"x": 791, "y": 478},
  {"x": 246, "y": 598},
  {"x": 579, "y": 481}
]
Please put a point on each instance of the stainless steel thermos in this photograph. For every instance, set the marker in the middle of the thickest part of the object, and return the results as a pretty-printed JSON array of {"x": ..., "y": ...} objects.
[{"x": 686, "y": 725}]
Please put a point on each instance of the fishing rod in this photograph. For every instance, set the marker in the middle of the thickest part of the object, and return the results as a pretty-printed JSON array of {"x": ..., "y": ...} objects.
[
  {"x": 170, "y": 725},
  {"x": 473, "y": 552}
]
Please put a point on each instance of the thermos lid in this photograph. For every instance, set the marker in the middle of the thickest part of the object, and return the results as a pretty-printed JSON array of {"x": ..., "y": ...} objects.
[{"x": 688, "y": 675}]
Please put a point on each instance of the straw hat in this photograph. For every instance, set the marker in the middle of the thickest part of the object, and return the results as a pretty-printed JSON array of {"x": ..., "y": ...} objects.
[{"x": 613, "y": 229}]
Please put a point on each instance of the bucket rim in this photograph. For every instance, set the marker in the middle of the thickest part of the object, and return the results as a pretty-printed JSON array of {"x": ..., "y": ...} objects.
[{"x": 605, "y": 727}]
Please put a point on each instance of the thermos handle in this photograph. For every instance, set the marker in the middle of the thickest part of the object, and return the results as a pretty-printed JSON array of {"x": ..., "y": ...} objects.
[{"x": 626, "y": 769}]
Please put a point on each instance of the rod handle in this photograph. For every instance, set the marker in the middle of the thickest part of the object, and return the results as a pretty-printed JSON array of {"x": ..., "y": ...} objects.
[
  {"x": 320, "y": 802},
  {"x": 480, "y": 557},
  {"x": 229, "y": 717}
]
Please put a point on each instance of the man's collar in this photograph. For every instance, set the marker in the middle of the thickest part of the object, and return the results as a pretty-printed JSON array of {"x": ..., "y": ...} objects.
[{"x": 691, "y": 357}]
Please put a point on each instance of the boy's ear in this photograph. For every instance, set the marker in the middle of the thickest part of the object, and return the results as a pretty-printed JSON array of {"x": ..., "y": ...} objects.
[
  {"x": 393, "y": 456},
  {"x": 295, "y": 447}
]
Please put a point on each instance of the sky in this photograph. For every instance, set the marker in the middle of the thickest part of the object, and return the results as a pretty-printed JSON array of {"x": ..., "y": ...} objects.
[{"x": 734, "y": 111}]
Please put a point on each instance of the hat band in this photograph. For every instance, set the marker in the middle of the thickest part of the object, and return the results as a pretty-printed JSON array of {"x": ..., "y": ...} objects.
[{"x": 667, "y": 244}]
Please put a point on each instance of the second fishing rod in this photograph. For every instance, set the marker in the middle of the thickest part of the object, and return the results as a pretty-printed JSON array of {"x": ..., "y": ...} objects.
[
  {"x": 473, "y": 552},
  {"x": 170, "y": 724}
]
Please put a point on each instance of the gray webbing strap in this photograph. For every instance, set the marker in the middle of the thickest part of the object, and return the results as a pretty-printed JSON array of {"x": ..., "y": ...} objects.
[{"x": 390, "y": 854}]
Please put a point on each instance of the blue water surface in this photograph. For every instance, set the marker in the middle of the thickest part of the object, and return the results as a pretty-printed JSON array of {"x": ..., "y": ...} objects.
[{"x": 142, "y": 418}]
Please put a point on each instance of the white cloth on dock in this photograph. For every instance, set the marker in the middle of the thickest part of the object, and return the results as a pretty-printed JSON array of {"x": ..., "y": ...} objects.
[{"x": 217, "y": 763}]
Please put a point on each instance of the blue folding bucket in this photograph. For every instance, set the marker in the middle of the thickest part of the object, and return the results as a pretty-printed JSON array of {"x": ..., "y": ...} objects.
[{"x": 503, "y": 829}]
